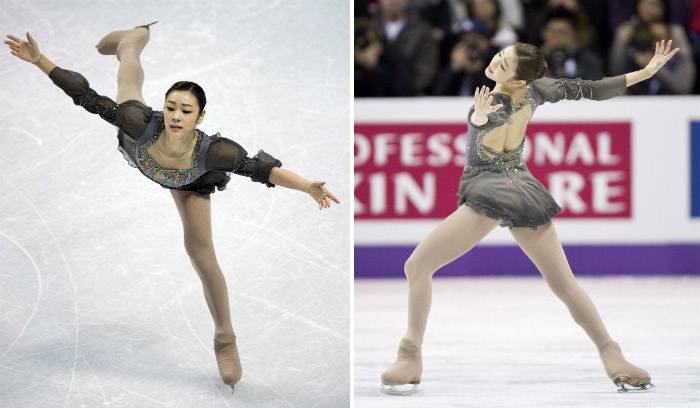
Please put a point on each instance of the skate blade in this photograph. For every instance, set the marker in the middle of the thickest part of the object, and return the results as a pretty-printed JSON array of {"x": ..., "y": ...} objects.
[
  {"x": 233, "y": 389},
  {"x": 643, "y": 387},
  {"x": 403, "y": 389}
]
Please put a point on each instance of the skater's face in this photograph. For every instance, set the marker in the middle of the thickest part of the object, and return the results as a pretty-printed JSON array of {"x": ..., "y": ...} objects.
[
  {"x": 181, "y": 113},
  {"x": 502, "y": 65}
]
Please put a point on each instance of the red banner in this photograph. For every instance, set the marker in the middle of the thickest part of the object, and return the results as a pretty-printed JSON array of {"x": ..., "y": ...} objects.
[{"x": 406, "y": 171}]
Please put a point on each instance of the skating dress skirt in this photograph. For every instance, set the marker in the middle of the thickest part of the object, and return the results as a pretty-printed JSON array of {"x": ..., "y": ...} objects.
[
  {"x": 214, "y": 158},
  {"x": 498, "y": 184}
]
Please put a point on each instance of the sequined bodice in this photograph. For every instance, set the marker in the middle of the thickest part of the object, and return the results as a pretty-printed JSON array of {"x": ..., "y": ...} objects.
[{"x": 150, "y": 168}]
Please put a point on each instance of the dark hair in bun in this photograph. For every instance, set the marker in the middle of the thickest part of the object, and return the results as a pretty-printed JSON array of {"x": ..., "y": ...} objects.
[
  {"x": 531, "y": 63},
  {"x": 192, "y": 88}
]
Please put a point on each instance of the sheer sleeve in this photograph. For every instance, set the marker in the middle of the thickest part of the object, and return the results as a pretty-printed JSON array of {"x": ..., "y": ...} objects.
[
  {"x": 555, "y": 90},
  {"x": 131, "y": 116},
  {"x": 227, "y": 155}
]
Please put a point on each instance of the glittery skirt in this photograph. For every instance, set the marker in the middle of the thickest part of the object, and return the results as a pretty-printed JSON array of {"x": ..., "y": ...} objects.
[
  {"x": 208, "y": 182},
  {"x": 512, "y": 196}
]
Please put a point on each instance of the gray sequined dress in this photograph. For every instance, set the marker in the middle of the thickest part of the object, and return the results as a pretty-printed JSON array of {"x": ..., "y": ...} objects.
[
  {"x": 214, "y": 158},
  {"x": 499, "y": 184}
]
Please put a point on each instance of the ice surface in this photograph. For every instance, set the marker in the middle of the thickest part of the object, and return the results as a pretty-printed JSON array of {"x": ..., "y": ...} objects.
[
  {"x": 99, "y": 305},
  {"x": 509, "y": 342}
]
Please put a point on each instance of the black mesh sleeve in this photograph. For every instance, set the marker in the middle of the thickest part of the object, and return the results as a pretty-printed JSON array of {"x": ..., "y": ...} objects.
[
  {"x": 555, "y": 90},
  {"x": 130, "y": 116},
  {"x": 227, "y": 155}
]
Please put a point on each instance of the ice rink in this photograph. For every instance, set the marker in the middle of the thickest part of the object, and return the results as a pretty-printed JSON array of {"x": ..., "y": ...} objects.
[
  {"x": 99, "y": 305},
  {"x": 509, "y": 342}
]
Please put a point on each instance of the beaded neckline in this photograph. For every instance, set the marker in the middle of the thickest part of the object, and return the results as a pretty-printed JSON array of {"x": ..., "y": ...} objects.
[
  {"x": 527, "y": 98},
  {"x": 510, "y": 158},
  {"x": 168, "y": 177}
]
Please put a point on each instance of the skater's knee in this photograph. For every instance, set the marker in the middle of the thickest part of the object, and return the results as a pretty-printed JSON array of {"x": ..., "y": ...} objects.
[
  {"x": 415, "y": 270},
  {"x": 200, "y": 252},
  {"x": 564, "y": 289}
]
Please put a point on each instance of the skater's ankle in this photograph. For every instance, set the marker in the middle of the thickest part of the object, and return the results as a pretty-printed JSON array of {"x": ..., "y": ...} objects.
[
  {"x": 407, "y": 341},
  {"x": 610, "y": 345},
  {"x": 224, "y": 337}
]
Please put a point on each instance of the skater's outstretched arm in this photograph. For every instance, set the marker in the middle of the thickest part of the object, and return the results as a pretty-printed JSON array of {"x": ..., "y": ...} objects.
[
  {"x": 662, "y": 55},
  {"x": 131, "y": 116},
  {"x": 29, "y": 51},
  {"x": 315, "y": 189},
  {"x": 555, "y": 90},
  {"x": 225, "y": 154}
]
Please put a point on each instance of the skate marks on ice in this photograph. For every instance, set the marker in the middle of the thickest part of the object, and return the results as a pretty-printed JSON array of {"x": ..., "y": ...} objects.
[
  {"x": 505, "y": 342},
  {"x": 99, "y": 304}
]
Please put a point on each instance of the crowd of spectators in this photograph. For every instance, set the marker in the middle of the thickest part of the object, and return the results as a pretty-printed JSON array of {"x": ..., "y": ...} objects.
[{"x": 441, "y": 47}]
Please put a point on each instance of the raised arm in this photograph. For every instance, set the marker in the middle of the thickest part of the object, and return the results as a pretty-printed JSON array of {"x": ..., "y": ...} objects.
[
  {"x": 227, "y": 155},
  {"x": 661, "y": 56},
  {"x": 555, "y": 90},
  {"x": 131, "y": 116},
  {"x": 29, "y": 51}
]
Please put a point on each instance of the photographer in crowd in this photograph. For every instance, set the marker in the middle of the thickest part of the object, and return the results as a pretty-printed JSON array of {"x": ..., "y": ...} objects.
[
  {"x": 371, "y": 77},
  {"x": 564, "y": 55},
  {"x": 468, "y": 59},
  {"x": 408, "y": 52}
]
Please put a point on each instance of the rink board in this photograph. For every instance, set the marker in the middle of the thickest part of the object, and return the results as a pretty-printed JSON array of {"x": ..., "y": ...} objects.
[
  {"x": 509, "y": 260},
  {"x": 624, "y": 171}
]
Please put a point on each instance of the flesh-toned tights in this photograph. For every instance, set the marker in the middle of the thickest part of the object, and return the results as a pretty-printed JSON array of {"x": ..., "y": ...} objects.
[
  {"x": 194, "y": 208},
  {"x": 463, "y": 229}
]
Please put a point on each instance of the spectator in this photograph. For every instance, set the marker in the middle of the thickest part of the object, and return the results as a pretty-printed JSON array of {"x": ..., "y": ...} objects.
[
  {"x": 438, "y": 14},
  {"x": 501, "y": 33},
  {"x": 371, "y": 77},
  {"x": 538, "y": 18},
  {"x": 620, "y": 11},
  {"x": 513, "y": 13},
  {"x": 564, "y": 56},
  {"x": 676, "y": 77},
  {"x": 468, "y": 60},
  {"x": 409, "y": 50}
]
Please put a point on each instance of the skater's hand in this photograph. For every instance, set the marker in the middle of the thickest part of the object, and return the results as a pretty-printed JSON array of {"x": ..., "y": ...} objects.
[
  {"x": 321, "y": 194},
  {"x": 661, "y": 56},
  {"x": 482, "y": 106},
  {"x": 482, "y": 102},
  {"x": 27, "y": 51}
]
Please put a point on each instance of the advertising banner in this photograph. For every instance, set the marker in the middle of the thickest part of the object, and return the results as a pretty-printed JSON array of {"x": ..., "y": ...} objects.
[{"x": 410, "y": 171}]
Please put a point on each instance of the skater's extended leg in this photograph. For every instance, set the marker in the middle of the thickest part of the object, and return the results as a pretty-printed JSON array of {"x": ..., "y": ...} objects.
[
  {"x": 454, "y": 236},
  {"x": 543, "y": 248},
  {"x": 127, "y": 46},
  {"x": 195, "y": 212}
]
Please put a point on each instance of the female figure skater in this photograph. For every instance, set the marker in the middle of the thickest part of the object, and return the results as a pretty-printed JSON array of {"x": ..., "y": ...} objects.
[
  {"x": 497, "y": 186},
  {"x": 167, "y": 148}
]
